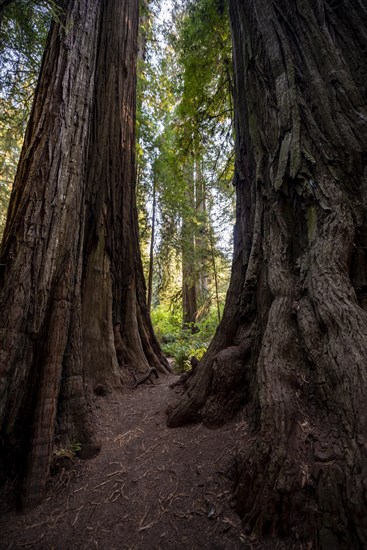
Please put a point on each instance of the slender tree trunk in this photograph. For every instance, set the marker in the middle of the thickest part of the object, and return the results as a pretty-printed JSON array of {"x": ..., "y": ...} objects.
[
  {"x": 152, "y": 238},
  {"x": 189, "y": 296},
  {"x": 189, "y": 275},
  {"x": 291, "y": 351},
  {"x": 72, "y": 292},
  {"x": 215, "y": 271},
  {"x": 201, "y": 242}
]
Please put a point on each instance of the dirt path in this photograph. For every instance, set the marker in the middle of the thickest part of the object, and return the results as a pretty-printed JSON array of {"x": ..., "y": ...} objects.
[{"x": 150, "y": 487}]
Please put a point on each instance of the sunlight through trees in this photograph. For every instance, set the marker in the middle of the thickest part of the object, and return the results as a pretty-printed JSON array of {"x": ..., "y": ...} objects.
[{"x": 186, "y": 160}]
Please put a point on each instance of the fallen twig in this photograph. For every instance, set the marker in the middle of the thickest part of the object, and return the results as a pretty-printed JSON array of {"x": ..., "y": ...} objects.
[
  {"x": 33, "y": 542},
  {"x": 117, "y": 472},
  {"x": 221, "y": 456},
  {"x": 81, "y": 488},
  {"x": 140, "y": 477},
  {"x": 77, "y": 516},
  {"x": 149, "y": 450}
]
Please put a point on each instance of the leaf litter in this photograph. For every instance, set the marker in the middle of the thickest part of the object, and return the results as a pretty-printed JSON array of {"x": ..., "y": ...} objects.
[{"x": 150, "y": 487}]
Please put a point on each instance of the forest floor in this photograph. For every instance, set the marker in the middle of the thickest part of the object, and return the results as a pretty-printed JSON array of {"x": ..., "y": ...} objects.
[{"x": 150, "y": 487}]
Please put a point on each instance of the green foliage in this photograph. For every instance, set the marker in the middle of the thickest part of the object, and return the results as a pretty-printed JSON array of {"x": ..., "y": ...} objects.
[
  {"x": 203, "y": 46},
  {"x": 181, "y": 344},
  {"x": 186, "y": 148},
  {"x": 23, "y": 35},
  {"x": 167, "y": 323},
  {"x": 69, "y": 451}
]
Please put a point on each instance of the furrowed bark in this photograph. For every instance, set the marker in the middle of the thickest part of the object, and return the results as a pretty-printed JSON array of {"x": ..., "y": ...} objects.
[
  {"x": 72, "y": 291},
  {"x": 113, "y": 216},
  {"x": 42, "y": 245},
  {"x": 290, "y": 355}
]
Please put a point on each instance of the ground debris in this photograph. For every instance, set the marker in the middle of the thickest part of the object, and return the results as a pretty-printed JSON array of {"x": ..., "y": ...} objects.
[{"x": 150, "y": 486}]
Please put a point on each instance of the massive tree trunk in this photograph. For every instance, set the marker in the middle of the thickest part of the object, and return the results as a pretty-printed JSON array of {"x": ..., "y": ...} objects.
[
  {"x": 111, "y": 254},
  {"x": 290, "y": 355},
  {"x": 42, "y": 252},
  {"x": 72, "y": 291}
]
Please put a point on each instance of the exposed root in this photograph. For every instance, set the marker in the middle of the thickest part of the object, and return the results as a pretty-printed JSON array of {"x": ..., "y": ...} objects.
[{"x": 146, "y": 376}]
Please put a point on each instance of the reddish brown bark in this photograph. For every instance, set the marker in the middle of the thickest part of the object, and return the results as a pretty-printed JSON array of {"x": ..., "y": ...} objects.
[
  {"x": 188, "y": 252},
  {"x": 72, "y": 291},
  {"x": 290, "y": 355},
  {"x": 112, "y": 243},
  {"x": 40, "y": 295}
]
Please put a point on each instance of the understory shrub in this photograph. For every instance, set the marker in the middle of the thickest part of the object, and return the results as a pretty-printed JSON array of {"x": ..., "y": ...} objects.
[{"x": 181, "y": 344}]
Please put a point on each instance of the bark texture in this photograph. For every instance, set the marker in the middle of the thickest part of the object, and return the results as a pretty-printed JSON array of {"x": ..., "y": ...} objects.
[
  {"x": 111, "y": 255},
  {"x": 188, "y": 251},
  {"x": 291, "y": 352},
  {"x": 42, "y": 253},
  {"x": 72, "y": 291}
]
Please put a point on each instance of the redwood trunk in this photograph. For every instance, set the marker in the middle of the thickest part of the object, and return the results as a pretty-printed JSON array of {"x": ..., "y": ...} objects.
[
  {"x": 72, "y": 291},
  {"x": 290, "y": 354},
  {"x": 118, "y": 337},
  {"x": 42, "y": 252},
  {"x": 189, "y": 273},
  {"x": 152, "y": 241}
]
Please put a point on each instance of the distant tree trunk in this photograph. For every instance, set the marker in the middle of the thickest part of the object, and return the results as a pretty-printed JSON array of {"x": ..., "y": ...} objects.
[
  {"x": 189, "y": 296},
  {"x": 290, "y": 354},
  {"x": 143, "y": 30},
  {"x": 72, "y": 291},
  {"x": 201, "y": 242},
  {"x": 189, "y": 276},
  {"x": 215, "y": 271},
  {"x": 152, "y": 239}
]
